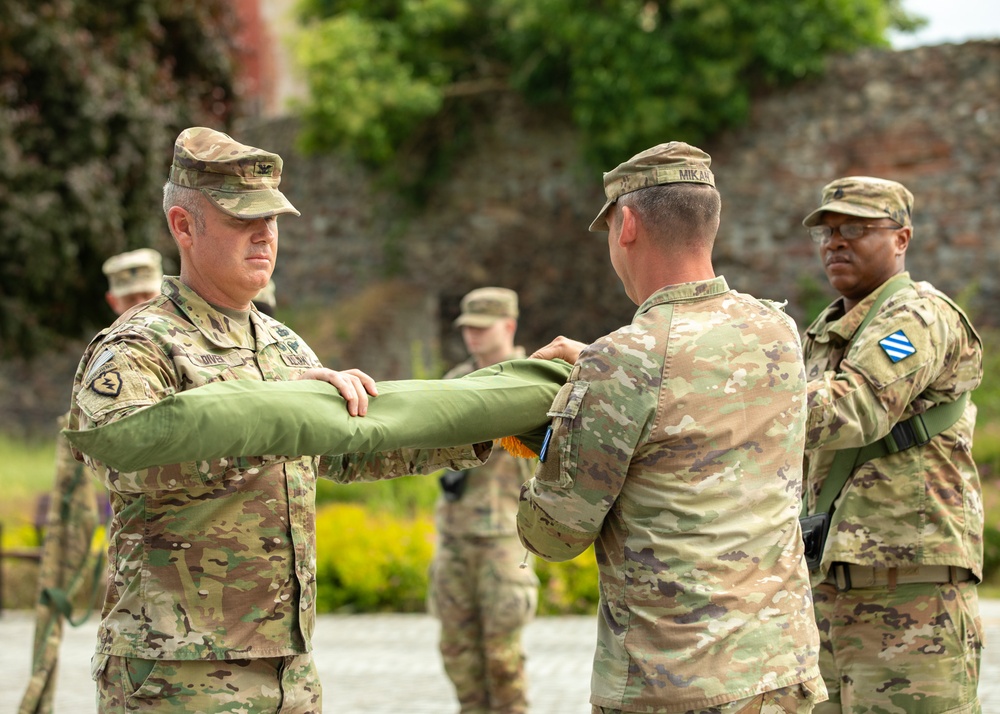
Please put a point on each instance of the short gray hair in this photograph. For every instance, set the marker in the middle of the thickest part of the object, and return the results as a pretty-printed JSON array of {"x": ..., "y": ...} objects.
[{"x": 190, "y": 199}]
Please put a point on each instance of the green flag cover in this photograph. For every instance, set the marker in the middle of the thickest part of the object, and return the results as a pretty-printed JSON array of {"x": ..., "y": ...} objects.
[{"x": 309, "y": 417}]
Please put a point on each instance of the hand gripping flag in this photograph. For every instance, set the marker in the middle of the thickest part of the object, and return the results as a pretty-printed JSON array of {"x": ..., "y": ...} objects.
[{"x": 309, "y": 418}]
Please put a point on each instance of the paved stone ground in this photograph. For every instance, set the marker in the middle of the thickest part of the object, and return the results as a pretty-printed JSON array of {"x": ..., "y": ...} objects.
[{"x": 388, "y": 664}]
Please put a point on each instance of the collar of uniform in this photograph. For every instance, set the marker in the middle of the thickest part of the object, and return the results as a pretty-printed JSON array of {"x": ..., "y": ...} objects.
[
  {"x": 685, "y": 292},
  {"x": 848, "y": 324},
  {"x": 209, "y": 321},
  {"x": 264, "y": 329}
]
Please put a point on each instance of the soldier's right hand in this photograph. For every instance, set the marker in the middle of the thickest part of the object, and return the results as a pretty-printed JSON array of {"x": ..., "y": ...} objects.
[
  {"x": 353, "y": 384},
  {"x": 560, "y": 348}
]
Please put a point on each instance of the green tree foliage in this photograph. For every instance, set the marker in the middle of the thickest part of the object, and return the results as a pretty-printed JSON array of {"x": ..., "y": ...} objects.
[
  {"x": 630, "y": 73},
  {"x": 92, "y": 95}
]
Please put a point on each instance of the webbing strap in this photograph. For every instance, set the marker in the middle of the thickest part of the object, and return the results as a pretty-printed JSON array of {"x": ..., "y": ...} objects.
[
  {"x": 915, "y": 431},
  {"x": 845, "y": 460}
]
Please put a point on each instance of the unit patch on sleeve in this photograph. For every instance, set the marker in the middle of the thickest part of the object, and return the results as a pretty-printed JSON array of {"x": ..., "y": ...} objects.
[
  {"x": 897, "y": 346},
  {"x": 108, "y": 384}
]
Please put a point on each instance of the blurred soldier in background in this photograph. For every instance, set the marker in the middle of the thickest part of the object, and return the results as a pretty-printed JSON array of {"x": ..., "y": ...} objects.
[
  {"x": 483, "y": 589},
  {"x": 70, "y": 572},
  {"x": 266, "y": 300}
]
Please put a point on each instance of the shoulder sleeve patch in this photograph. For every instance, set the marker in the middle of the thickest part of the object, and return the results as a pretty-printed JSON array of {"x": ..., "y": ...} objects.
[
  {"x": 897, "y": 346},
  {"x": 112, "y": 383}
]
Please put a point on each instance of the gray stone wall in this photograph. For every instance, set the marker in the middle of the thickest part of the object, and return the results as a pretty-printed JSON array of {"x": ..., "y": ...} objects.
[{"x": 372, "y": 279}]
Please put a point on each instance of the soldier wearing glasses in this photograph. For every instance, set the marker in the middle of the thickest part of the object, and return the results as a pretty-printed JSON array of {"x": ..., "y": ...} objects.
[{"x": 895, "y": 592}]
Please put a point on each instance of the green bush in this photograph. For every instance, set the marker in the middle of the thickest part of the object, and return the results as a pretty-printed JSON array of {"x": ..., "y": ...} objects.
[
  {"x": 568, "y": 588},
  {"x": 370, "y": 562},
  {"x": 373, "y": 560}
]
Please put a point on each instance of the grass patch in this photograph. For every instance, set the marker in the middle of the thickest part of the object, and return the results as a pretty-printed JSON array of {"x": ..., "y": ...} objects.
[{"x": 27, "y": 470}]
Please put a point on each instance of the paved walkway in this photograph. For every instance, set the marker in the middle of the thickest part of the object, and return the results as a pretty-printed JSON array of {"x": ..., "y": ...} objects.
[{"x": 388, "y": 664}]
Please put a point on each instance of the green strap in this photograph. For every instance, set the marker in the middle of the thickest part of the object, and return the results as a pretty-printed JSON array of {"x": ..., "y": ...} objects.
[
  {"x": 846, "y": 460},
  {"x": 915, "y": 431}
]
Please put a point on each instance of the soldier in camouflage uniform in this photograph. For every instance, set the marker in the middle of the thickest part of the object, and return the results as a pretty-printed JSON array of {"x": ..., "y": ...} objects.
[
  {"x": 74, "y": 509},
  {"x": 211, "y": 593},
  {"x": 895, "y": 592},
  {"x": 482, "y": 587},
  {"x": 675, "y": 447}
]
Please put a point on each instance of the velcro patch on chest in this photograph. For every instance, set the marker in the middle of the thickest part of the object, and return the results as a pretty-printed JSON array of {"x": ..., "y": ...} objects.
[{"x": 897, "y": 346}]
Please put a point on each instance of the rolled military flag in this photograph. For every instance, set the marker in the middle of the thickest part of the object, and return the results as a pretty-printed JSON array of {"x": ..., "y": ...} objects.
[{"x": 309, "y": 417}]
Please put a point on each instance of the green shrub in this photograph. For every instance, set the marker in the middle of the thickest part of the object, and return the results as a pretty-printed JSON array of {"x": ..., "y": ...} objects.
[
  {"x": 407, "y": 496},
  {"x": 568, "y": 588},
  {"x": 369, "y": 562},
  {"x": 374, "y": 561}
]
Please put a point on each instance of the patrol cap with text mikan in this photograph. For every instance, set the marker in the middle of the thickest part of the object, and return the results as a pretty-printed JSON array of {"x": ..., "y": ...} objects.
[
  {"x": 673, "y": 162},
  {"x": 484, "y": 306},
  {"x": 865, "y": 197},
  {"x": 137, "y": 271},
  {"x": 240, "y": 180}
]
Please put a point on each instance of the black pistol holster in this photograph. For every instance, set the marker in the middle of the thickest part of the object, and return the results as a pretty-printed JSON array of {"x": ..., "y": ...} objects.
[{"x": 453, "y": 484}]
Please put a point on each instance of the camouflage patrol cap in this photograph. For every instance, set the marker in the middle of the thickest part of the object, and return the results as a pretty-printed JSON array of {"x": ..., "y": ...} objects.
[
  {"x": 484, "y": 306},
  {"x": 866, "y": 197},
  {"x": 673, "y": 162},
  {"x": 137, "y": 271},
  {"x": 240, "y": 180}
]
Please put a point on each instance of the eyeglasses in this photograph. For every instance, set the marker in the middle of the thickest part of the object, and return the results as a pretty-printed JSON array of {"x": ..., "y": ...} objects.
[{"x": 848, "y": 231}]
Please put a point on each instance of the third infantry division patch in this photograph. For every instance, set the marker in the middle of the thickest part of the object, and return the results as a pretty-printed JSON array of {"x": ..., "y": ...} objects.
[{"x": 897, "y": 346}]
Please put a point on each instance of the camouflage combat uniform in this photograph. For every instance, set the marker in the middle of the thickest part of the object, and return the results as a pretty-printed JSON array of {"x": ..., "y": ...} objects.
[
  {"x": 676, "y": 450},
  {"x": 483, "y": 586},
  {"x": 212, "y": 560},
  {"x": 915, "y": 646}
]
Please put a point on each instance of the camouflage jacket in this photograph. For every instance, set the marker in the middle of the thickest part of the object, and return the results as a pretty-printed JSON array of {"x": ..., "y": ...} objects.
[
  {"x": 488, "y": 506},
  {"x": 919, "y": 506},
  {"x": 211, "y": 559},
  {"x": 676, "y": 449}
]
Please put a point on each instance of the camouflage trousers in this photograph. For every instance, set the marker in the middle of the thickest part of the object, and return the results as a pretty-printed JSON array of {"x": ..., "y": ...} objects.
[
  {"x": 797, "y": 699},
  {"x": 483, "y": 599},
  {"x": 285, "y": 685},
  {"x": 914, "y": 649}
]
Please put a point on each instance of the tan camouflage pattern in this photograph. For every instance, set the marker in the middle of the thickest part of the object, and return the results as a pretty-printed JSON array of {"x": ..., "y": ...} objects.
[
  {"x": 922, "y": 506},
  {"x": 271, "y": 684},
  {"x": 676, "y": 450},
  {"x": 673, "y": 162},
  {"x": 866, "y": 197},
  {"x": 488, "y": 506},
  {"x": 137, "y": 271},
  {"x": 794, "y": 699},
  {"x": 483, "y": 599},
  {"x": 912, "y": 650},
  {"x": 211, "y": 559},
  {"x": 484, "y": 306},
  {"x": 483, "y": 586},
  {"x": 67, "y": 564},
  {"x": 240, "y": 180}
]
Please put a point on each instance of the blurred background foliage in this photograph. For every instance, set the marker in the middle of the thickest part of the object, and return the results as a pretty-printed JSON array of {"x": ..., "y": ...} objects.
[
  {"x": 92, "y": 95},
  {"x": 628, "y": 72}
]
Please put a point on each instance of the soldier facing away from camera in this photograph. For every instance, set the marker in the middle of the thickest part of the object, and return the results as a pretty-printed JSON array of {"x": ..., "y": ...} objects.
[{"x": 675, "y": 449}]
